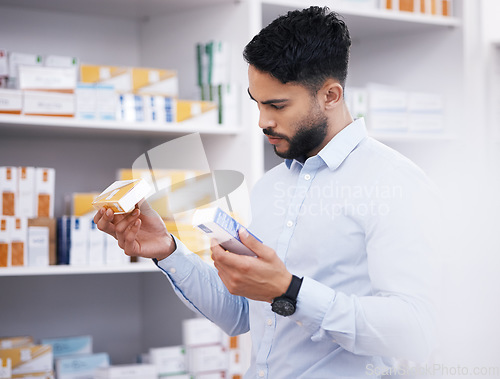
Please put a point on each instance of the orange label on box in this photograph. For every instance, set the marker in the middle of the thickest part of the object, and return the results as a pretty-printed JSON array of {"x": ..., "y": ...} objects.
[
  {"x": 8, "y": 203},
  {"x": 43, "y": 205},
  {"x": 17, "y": 254},
  {"x": 4, "y": 254}
]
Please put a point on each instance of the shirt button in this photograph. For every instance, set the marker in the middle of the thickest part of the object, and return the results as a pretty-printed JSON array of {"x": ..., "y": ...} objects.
[
  {"x": 269, "y": 322},
  {"x": 289, "y": 223},
  {"x": 262, "y": 373},
  {"x": 299, "y": 323},
  {"x": 172, "y": 270},
  {"x": 307, "y": 176}
]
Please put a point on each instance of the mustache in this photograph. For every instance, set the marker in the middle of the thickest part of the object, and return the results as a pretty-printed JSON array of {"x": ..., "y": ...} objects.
[{"x": 269, "y": 132}]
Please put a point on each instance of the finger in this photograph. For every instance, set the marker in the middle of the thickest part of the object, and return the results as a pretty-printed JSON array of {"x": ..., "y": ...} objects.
[
  {"x": 122, "y": 225},
  {"x": 130, "y": 245},
  {"x": 104, "y": 224},
  {"x": 254, "y": 244}
]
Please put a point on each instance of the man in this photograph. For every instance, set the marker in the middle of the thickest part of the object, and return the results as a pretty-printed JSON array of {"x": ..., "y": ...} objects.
[{"x": 345, "y": 256}]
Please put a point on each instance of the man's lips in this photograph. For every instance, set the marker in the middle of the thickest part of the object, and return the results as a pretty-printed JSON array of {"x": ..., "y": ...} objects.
[{"x": 274, "y": 140}]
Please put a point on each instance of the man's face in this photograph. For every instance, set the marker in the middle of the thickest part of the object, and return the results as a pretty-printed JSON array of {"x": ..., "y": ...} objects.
[{"x": 290, "y": 116}]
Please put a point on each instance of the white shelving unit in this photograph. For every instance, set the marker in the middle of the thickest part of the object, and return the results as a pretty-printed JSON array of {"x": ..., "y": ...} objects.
[{"x": 129, "y": 309}]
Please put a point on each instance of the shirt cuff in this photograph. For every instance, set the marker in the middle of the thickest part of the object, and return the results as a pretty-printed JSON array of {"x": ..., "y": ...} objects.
[
  {"x": 177, "y": 265},
  {"x": 313, "y": 302}
]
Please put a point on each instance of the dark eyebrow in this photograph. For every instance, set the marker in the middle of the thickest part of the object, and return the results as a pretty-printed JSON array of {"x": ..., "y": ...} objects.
[{"x": 272, "y": 101}]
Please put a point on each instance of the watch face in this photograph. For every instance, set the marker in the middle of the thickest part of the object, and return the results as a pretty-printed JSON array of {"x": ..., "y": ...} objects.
[{"x": 283, "y": 307}]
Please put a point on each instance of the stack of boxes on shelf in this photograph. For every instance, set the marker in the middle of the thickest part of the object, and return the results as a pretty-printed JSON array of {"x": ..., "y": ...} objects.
[
  {"x": 27, "y": 227},
  {"x": 51, "y": 85},
  {"x": 213, "y": 72},
  {"x": 390, "y": 109},
  {"x": 206, "y": 353},
  {"x": 430, "y": 7},
  {"x": 21, "y": 358}
]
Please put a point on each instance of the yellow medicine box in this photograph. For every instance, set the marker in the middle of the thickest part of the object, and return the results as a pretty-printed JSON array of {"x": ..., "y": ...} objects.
[{"x": 122, "y": 195}]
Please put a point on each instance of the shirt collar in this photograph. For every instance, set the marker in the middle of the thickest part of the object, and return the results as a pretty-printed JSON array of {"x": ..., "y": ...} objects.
[{"x": 341, "y": 145}]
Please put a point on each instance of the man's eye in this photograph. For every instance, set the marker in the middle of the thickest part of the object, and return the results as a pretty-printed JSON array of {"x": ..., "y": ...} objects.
[{"x": 277, "y": 107}]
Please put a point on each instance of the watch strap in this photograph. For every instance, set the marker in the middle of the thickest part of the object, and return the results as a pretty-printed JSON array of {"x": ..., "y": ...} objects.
[{"x": 293, "y": 289}]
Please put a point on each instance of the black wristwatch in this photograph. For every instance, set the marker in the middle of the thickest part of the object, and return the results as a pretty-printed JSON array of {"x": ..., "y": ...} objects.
[{"x": 286, "y": 304}]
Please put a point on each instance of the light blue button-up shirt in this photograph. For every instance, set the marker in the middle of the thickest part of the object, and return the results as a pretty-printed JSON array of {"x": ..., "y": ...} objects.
[{"x": 354, "y": 222}]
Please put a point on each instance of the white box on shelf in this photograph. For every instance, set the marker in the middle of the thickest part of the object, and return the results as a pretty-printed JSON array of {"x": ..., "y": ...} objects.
[
  {"x": 8, "y": 191},
  {"x": 106, "y": 102},
  {"x": 5, "y": 245},
  {"x": 387, "y": 108},
  {"x": 138, "y": 371},
  {"x": 357, "y": 101},
  {"x": 19, "y": 241},
  {"x": 61, "y": 79},
  {"x": 38, "y": 246},
  {"x": 79, "y": 367},
  {"x": 20, "y": 59},
  {"x": 207, "y": 359},
  {"x": 61, "y": 61},
  {"x": 358, "y": 4},
  {"x": 97, "y": 245},
  {"x": 26, "y": 192},
  {"x": 11, "y": 101},
  {"x": 79, "y": 247},
  {"x": 68, "y": 346},
  {"x": 42, "y": 103},
  {"x": 169, "y": 360},
  {"x": 86, "y": 101},
  {"x": 201, "y": 331},
  {"x": 425, "y": 122},
  {"x": 4, "y": 63},
  {"x": 114, "y": 254},
  {"x": 45, "y": 182}
]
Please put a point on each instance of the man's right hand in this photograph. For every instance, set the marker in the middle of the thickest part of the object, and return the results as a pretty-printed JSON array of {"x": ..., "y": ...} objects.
[{"x": 141, "y": 233}]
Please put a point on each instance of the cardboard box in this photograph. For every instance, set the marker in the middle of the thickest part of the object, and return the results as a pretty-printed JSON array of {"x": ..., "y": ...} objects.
[
  {"x": 65, "y": 346},
  {"x": 4, "y": 242},
  {"x": 207, "y": 359},
  {"x": 15, "y": 342},
  {"x": 26, "y": 192},
  {"x": 19, "y": 241},
  {"x": 37, "y": 359},
  {"x": 155, "y": 81},
  {"x": 5, "y": 368},
  {"x": 200, "y": 332},
  {"x": 79, "y": 367},
  {"x": 4, "y": 64},
  {"x": 8, "y": 191},
  {"x": 169, "y": 360},
  {"x": 188, "y": 109},
  {"x": 61, "y": 61},
  {"x": 139, "y": 371},
  {"x": 45, "y": 181},
  {"x": 51, "y": 225},
  {"x": 59, "y": 79},
  {"x": 96, "y": 102},
  {"x": 218, "y": 225},
  {"x": 20, "y": 59},
  {"x": 122, "y": 195},
  {"x": 81, "y": 204},
  {"x": 79, "y": 237},
  {"x": 38, "y": 246},
  {"x": 114, "y": 254},
  {"x": 41, "y": 103},
  {"x": 11, "y": 101},
  {"x": 97, "y": 245}
]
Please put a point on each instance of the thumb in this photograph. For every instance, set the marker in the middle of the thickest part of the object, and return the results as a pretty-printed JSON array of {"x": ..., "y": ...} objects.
[{"x": 250, "y": 241}]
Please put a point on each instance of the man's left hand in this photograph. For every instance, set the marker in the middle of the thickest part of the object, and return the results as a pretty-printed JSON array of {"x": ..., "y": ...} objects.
[{"x": 259, "y": 278}]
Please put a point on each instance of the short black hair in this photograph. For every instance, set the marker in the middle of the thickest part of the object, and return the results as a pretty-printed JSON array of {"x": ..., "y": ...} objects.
[{"x": 304, "y": 46}]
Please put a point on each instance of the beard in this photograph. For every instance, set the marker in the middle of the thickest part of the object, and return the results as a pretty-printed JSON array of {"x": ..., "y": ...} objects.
[{"x": 311, "y": 132}]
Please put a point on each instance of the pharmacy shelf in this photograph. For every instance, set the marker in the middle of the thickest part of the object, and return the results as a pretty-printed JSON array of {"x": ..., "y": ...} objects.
[
  {"x": 15, "y": 124},
  {"x": 73, "y": 270},
  {"x": 412, "y": 137},
  {"x": 369, "y": 23}
]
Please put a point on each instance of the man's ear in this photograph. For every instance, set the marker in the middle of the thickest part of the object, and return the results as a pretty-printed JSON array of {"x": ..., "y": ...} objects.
[{"x": 331, "y": 94}]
